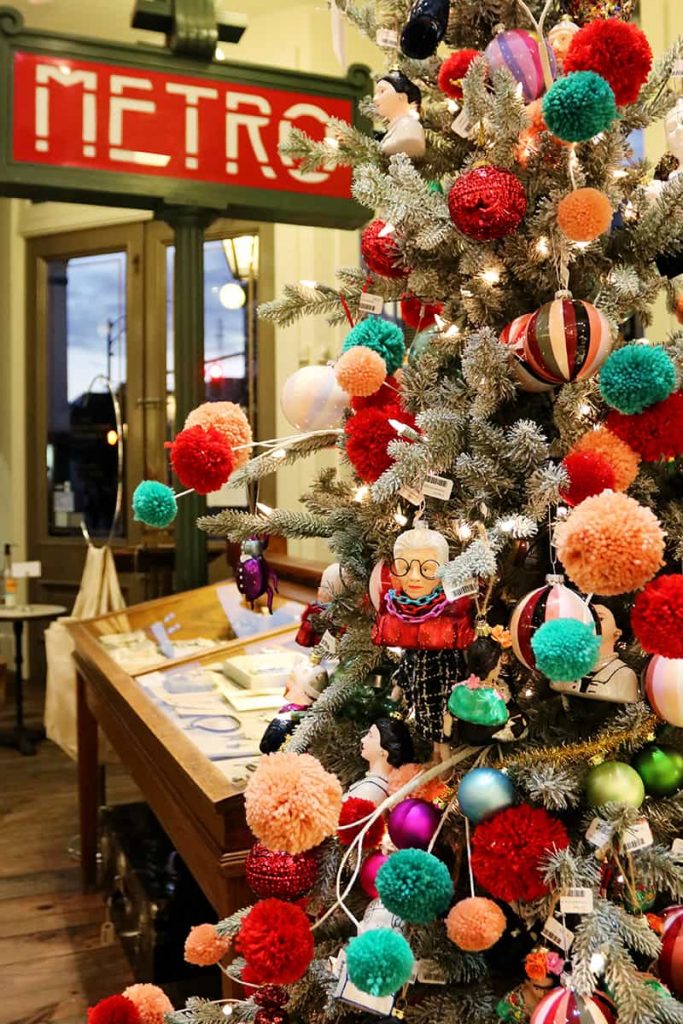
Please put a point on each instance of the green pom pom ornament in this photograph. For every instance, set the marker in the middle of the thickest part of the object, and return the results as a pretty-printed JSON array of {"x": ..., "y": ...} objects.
[
  {"x": 565, "y": 649},
  {"x": 579, "y": 106},
  {"x": 382, "y": 337},
  {"x": 414, "y": 885},
  {"x": 379, "y": 961},
  {"x": 154, "y": 504},
  {"x": 482, "y": 706},
  {"x": 637, "y": 376}
]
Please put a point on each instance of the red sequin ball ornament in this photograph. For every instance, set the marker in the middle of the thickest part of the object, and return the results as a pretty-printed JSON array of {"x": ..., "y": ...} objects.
[
  {"x": 283, "y": 875},
  {"x": 381, "y": 253},
  {"x": 487, "y": 203}
]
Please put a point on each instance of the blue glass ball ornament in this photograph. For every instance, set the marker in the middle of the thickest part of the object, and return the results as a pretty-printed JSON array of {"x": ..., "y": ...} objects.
[
  {"x": 154, "y": 504},
  {"x": 382, "y": 337},
  {"x": 579, "y": 106},
  {"x": 637, "y": 376},
  {"x": 483, "y": 791},
  {"x": 379, "y": 961},
  {"x": 420, "y": 344}
]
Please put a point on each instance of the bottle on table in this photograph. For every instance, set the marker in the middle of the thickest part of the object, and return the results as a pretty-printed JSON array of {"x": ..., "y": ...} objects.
[{"x": 9, "y": 581}]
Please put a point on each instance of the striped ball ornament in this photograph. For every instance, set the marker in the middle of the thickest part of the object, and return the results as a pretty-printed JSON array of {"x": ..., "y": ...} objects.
[
  {"x": 565, "y": 340},
  {"x": 664, "y": 688},
  {"x": 519, "y": 52},
  {"x": 564, "y": 1006},
  {"x": 670, "y": 961},
  {"x": 547, "y": 603},
  {"x": 512, "y": 336},
  {"x": 311, "y": 398}
]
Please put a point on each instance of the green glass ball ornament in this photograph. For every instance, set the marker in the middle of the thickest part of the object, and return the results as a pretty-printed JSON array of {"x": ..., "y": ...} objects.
[
  {"x": 644, "y": 900},
  {"x": 614, "y": 782},
  {"x": 420, "y": 344},
  {"x": 660, "y": 768}
]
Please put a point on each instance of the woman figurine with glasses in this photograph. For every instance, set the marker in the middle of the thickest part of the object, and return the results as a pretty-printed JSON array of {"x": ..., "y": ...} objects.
[{"x": 416, "y": 615}]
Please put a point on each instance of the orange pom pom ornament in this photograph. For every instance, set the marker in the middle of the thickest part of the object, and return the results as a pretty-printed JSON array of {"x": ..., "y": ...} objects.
[
  {"x": 475, "y": 924},
  {"x": 584, "y": 214},
  {"x": 230, "y": 421},
  {"x": 204, "y": 946},
  {"x": 621, "y": 457},
  {"x": 360, "y": 371},
  {"x": 151, "y": 1002}
]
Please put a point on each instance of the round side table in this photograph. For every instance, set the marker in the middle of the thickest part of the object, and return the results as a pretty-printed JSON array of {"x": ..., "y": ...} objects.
[{"x": 20, "y": 737}]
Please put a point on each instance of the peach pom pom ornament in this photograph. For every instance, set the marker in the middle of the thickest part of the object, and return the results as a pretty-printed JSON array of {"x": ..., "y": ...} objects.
[
  {"x": 475, "y": 924},
  {"x": 229, "y": 420},
  {"x": 584, "y": 214},
  {"x": 292, "y": 803},
  {"x": 360, "y": 371},
  {"x": 204, "y": 946},
  {"x": 609, "y": 544},
  {"x": 151, "y": 1002},
  {"x": 621, "y": 457}
]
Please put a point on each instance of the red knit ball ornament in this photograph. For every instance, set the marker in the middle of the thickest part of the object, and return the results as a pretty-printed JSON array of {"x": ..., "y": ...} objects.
[
  {"x": 418, "y": 314},
  {"x": 202, "y": 459},
  {"x": 380, "y": 252},
  {"x": 508, "y": 852},
  {"x": 271, "y": 996},
  {"x": 386, "y": 395},
  {"x": 589, "y": 473},
  {"x": 356, "y": 809},
  {"x": 368, "y": 433},
  {"x": 487, "y": 202},
  {"x": 114, "y": 1010},
  {"x": 288, "y": 876},
  {"x": 656, "y": 433},
  {"x": 276, "y": 941},
  {"x": 618, "y": 51},
  {"x": 453, "y": 70},
  {"x": 657, "y": 616}
]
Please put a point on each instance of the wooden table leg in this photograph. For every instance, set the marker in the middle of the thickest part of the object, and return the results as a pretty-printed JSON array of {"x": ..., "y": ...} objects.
[{"x": 88, "y": 786}]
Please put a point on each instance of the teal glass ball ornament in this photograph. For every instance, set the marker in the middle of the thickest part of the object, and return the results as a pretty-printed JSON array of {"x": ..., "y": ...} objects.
[
  {"x": 483, "y": 791},
  {"x": 660, "y": 768},
  {"x": 614, "y": 782},
  {"x": 420, "y": 344}
]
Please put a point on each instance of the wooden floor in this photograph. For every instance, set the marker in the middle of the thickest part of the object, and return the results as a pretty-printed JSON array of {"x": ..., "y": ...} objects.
[{"x": 52, "y": 965}]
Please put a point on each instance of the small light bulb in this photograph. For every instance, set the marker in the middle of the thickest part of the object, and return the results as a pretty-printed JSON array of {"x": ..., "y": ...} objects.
[
  {"x": 400, "y": 518},
  {"x": 453, "y": 107},
  {"x": 112, "y": 438},
  {"x": 619, "y": 173},
  {"x": 388, "y": 229},
  {"x": 308, "y": 284},
  {"x": 597, "y": 963},
  {"x": 542, "y": 246},
  {"x": 65, "y": 69},
  {"x": 507, "y": 525},
  {"x": 490, "y": 275},
  {"x": 464, "y": 531},
  {"x": 453, "y": 331},
  {"x": 279, "y": 453},
  {"x": 361, "y": 493},
  {"x": 528, "y": 692},
  {"x": 581, "y": 245},
  {"x": 263, "y": 508},
  {"x": 331, "y": 142},
  {"x": 227, "y": 1010},
  {"x": 219, "y": 53},
  {"x": 585, "y": 409}
]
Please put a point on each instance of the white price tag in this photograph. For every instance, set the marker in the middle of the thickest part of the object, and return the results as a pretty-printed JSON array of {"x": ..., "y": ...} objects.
[
  {"x": 370, "y": 303},
  {"x": 21, "y": 570},
  {"x": 599, "y": 832},
  {"x": 577, "y": 901},
  {"x": 462, "y": 125},
  {"x": 437, "y": 487},
  {"x": 430, "y": 973},
  {"x": 677, "y": 849},
  {"x": 555, "y": 933},
  {"x": 387, "y": 37},
  {"x": 328, "y": 642},
  {"x": 467, "y": 589},
  {"x": 411, "y": 494},
  {"x": 637, "y": 837}
]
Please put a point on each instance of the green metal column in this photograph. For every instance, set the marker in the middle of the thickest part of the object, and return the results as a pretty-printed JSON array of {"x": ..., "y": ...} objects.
[{"x": 189, "y": 224}]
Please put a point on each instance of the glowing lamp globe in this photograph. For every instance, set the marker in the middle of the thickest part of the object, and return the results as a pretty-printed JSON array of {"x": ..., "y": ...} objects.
[
  {"x": 614, "y": 782},
  {"x": 483, "y": 791},
  {"x": 670, "y": 961},
  {"x": 311, "y": 399},
  {"x": 564, "y": 1006},
  {"x": 519, "y": 52},
  {"x": 552, "y": 601},
  {"x": 232, "y": 296},
  {"x": 566, "y": 340},
  {"x": 412, "y": 823},
  {"x": 664, "y": 688}
]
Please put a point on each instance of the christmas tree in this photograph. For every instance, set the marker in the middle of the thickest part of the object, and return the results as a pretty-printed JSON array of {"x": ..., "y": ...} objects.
[{"x": 476, "y": 819}]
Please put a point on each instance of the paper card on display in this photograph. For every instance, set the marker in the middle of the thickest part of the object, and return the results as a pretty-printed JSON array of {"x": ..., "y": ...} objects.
[
  {"x": 599, "y": 832},
  {"x": 560, "y": 936},
  {"x": 370, "y": 303},
  {"x": 24, "y": 570},
  {"x": 437, "y": 487},
  {"x": 637, "y": 837},
  {"x": 578, "y": 900}
]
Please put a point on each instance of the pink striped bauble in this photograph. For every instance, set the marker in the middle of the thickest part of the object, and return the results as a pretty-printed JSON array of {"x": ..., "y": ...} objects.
[
  {"x": 552, "y": 601},
  {"x": 670, "y": 961},
  {"x": 519, "y": 53},
  {"x": 512, "y": 336},
  {"x": 564, "y": 1006},
  {"x": 311, "y": 399},
  {"x": 379, "y": 583},
  {"x": 567, "y": 339},
  {"x": 664, "y": 688}
]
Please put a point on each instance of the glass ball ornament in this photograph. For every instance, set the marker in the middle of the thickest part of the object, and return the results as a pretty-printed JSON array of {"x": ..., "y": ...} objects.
[
  {"x": 368, "y": 873},
  {"x": 552, "y": 601},
  {"x": 566, "y": 340},
  {"x": 311, "y": 399},
  {"x": 412, "y": 823},
  {"x": 420, "y": 344},
  {"x": 565, "y": 1006},
  {"x": 670, "y": 961},
  {"x": 664, "y": 688},
  {"x": 519, "y": 52},
  {"x": 512, "y": 336},
  {"x": 660, "y": 768},
  {"x": 285, "y": 876},
  {"x": 614, "y": 782},
  {"x": 560, "y": 37},
  {"x": 483, "y": 791}
]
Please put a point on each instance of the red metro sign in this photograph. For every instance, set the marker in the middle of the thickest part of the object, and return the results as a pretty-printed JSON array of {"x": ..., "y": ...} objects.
[{"x": 91, "y": 129}]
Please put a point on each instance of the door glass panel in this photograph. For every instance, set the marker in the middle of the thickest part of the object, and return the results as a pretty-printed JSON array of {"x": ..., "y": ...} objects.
[{"x": 86, "y": 345}]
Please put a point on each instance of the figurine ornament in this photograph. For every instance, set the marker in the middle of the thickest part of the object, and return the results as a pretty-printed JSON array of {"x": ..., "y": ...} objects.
[{"x": 397, "y": 100}]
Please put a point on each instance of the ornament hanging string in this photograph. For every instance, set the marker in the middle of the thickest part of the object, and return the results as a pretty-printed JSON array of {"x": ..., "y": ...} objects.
[
  {"x": 542, "y": 45},
  {"x": 469, "y": 857},
  {"x": 346, "y": 309}
]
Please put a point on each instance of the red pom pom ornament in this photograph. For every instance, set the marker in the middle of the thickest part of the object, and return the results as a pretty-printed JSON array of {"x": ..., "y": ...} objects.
[
  {"x": 276, "y": 941},
  {"x": 354, "y": 809},
  {"x": 379, "y": 250},
  {"x": 453, "y": 70},
  {"x": 202, "y": 459},
  {"x": 508, "y": 852},
  {"x": 618, "y": 51},
  {"x": 487, "y": 202},
  {"x": 368, "y": 434},
  {"x": 589, "y": 473},
  {"x": 387, "y": 394},
  {"x": 114, "y": 1010},
  {"x": 418, "y": 314},
  {"x": 286, "y": 876},
  {"x": 656, "y": 433},
  {"x": 657, "y": 616}
]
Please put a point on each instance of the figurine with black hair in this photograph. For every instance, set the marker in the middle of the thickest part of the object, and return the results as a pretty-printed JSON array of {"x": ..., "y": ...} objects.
[
  {"x": 397, "y": 100},
  {"x": 483, "y": 704},
  {"x": 612, "y": 679},
  {"x": 304, "y": 685},
  {"x": 387, "y": 744}
]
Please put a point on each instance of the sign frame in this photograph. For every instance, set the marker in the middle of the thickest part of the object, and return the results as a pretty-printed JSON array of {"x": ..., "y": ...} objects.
[{"x": 40, "y": 181}]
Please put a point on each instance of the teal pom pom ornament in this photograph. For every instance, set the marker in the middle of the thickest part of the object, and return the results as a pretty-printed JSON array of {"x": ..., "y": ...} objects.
[
  {"x": 637, "y": 376},
  {"x": 379, "y": 961},
  {"x": 154, "y": 504},
  {"x": 414, "y": 885},
  {"x": 382, "y": 337},
  {"x": 579, "y": 106},
  {"x": 565, "y": 649}
]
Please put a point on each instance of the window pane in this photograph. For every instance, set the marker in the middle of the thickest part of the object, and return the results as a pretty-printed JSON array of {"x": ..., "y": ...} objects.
[{"x": 86, "y": 340}]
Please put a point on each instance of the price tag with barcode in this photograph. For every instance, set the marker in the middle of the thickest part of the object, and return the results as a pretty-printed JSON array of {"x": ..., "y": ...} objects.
[
  {"x": 430, "y": 973},
  {"x": 637, "y": 836},
  {"x": 599, "y": 832},
  {"x": 577, "y": 901},
  {"x": 554, "y": 932},
  {"x": 370, "y": 303},
  {"x": 437, "y": 487},
  {"x": 462, "y": 125},
  {"x": 677, "y": 849},
  {"x": 411, "y": 494},
  {"x": 467, "y": 589},
  {"x": 387, "y": 37},
  {"x": 328, "y": 643}
]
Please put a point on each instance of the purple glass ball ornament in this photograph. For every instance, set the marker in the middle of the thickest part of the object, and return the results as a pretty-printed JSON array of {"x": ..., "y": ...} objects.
[
  {"x": 368, "y": 873},
  {"x": 412, "y": 823}
]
